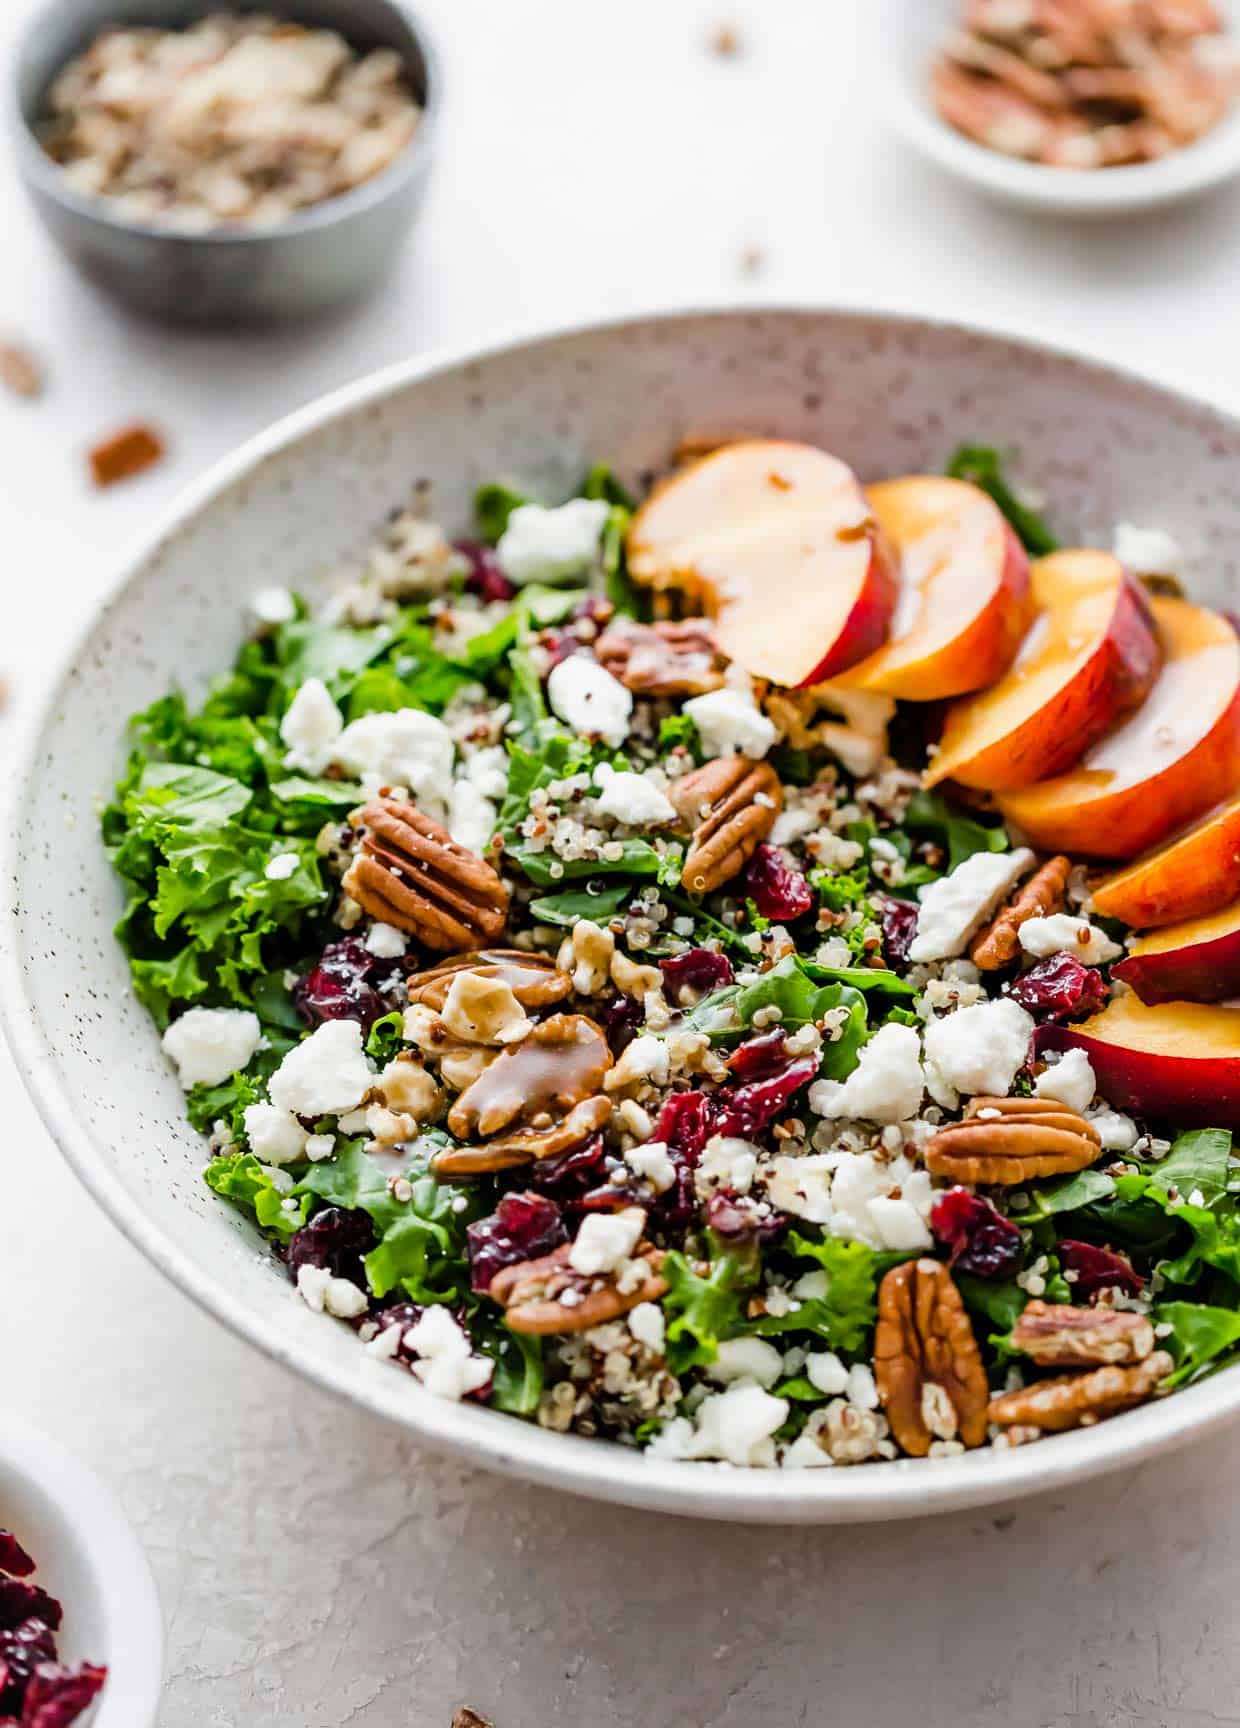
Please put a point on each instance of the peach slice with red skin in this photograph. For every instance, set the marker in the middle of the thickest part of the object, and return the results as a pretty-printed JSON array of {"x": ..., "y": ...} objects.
[
  {"x": 964, "y": 603},
  {"x": 778, "y": 543},
  {"x": 1089, "y": 658},
  {"x": 1177, "y": 1063},
  {"x": 1163, "y": 766},
  {"x": 1189, "y": 876},
  {"x": 1195, "y": 961}
]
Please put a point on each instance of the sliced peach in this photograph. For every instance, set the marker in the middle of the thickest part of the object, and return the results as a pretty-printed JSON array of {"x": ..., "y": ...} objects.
[
  {"x": 1089, "y": 658},
  {"x": 1177, "y": 1063},
  {"x": 1196, "y": 961},
  {"x": 778, "y": 543},
  {"x": 1190, "y": 875},
  {"x": 1163, "y": 766},
  {"x": 964, "y": 600}
]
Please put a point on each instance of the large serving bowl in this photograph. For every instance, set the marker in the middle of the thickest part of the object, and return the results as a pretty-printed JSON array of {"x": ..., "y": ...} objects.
[{"x": 891, "y": 395}]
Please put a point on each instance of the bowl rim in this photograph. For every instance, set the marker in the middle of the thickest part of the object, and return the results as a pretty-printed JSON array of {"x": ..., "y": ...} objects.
[
  {"x": 38, "y": 169},
  {"x": 111, "y": 1551},
  {"x": 902, "y": 1488}
]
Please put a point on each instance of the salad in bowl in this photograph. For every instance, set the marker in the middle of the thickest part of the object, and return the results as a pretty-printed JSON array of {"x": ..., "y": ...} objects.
[{"x": 741, "y": 972}]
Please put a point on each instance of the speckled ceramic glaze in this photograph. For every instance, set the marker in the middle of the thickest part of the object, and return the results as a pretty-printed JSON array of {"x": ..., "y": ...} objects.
[{"x": 892, "y": 396}]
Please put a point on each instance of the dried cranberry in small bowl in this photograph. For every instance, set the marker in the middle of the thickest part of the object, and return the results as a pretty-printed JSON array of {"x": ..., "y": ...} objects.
[
  {"x": 13, "y": 1557},
  {"x": 752, "y": 1108},
  {"x": 484, "y": 575},
  {"x": 522, "y": 1227},
  {"x": 698, "y": 971},
  {"x": 1097, "y": 1269},
  {"x": 978, "y": 1238},
  {"x": 335, "y": 1239},
  {"x": 20, "y": 1601},
  {"x": 1060, "y": 988},
  {"x": 22, "y": 1648},
  {"x": 776, "y": 886},
  {"x": 758, "y": 1058},
  {"x": 899, "y": 925},
  {"x": 342, "y": 986},
  {"x": 57, "y": 1695}
]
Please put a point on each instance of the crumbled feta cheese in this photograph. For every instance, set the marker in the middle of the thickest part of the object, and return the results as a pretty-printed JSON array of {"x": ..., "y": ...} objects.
[
  {"x": 955, "y": 907},
  {"x": 385, "y": 941},
  {"x": 210, "y": 1044},
  {"x": 646, "y": 1058},
  {"x": 605, "y": 1240},
  {"x": 325, "y": 1075},
  {"x": 1063, "y": 934},
  {"x": 883, "y": 1203},
  {"x": 805, "y": 1453},
  {"x": 487, "y": 769},
  {"x": 801, "y": 1185},
  {"x": 793, "y": 825},
  {"x": 273, "y": 606},
  {"x": 586, "y": 697},
  {"x": 446, "y": 1365},
  {"x": 746, "y": 1359},
  {"x": 540, "y": 545},
  {"x": 977, "y": 1049},
  {"x": 824, "y": 1370},
  {"x": 726, "y": 1162},
  {"x": 886, "y": 1085},
  {"x": 630, "y": 798},
  {"x": 405, "y": 748},
  {"x": 1147, "y": 551},
  {"x": 311, "y": 725},
  {"x": 274, "y": 1135},
  {"x": 471, "y": 817},
  {"x": 647, "y": 1326},
  {"x": 281, "y": 867},
  {"x": 861, "y": 1388},
  {"x": 326, "y": 1294},
  {"x": 735, "y": 1425},
  {"x": 653, "y": 1161},
  {"x": 1072, "y": 1081},
  {"x": 320, "y": 1146},
  {"x": 1117, "y": 1132},
  {"x": 730, "y": 723}
]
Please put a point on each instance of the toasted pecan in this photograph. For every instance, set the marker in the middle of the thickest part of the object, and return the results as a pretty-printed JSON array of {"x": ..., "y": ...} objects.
[
  {"x": 534, "y": 979},
  {"x": 1005, "y": 1141},
  {"x": 561, "y": 1063},
  {"x": 525, "y": 1145},
  {"x": 1058, "y": 1335},
  {"x": 410, "y": 872},
  {"x": 927, "y": 1365},
  {"x": 732, "y": 803},
  {"x": 1045, "y": 891},
  {"x": 675, "y": 657},
  {"x": 1076, "y": 1400},
  {"x": 546, "y": 1296}
]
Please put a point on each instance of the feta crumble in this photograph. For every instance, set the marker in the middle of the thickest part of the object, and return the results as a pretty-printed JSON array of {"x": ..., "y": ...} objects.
[
  {"x": 326, "y": 1294},
  {"x": 736, "y": 1426},
  {"x": 630, "y": 798},
  {"x": 586, "y": 697},
  {"x": 446, "y": 1365},
  {"x": 886, "y": 1085},
  {"x": 605, "y": 1240},
  {"x": 955, "y": 907},
  {"x": 654, "y": 1162},
  {"x": 209, "y": 1045},
  {"x": 326, "y": 1075},
  {"x": 540, "y": 545},
  {"x": 275, "y": 1136},
  {"x": 405, "y": 748},
  {"x": 385, "y": 941},
  {"x": 730, "y": 723},
  {"x": 977, "y": 1050},
  {"x": 311, "y": 725},
  {"x": 281, "y": 867},
  {"x": 1072, "y": 1081},
  {"x": 1061, "y": 933},
  {"x": 746, "y": 1359}
]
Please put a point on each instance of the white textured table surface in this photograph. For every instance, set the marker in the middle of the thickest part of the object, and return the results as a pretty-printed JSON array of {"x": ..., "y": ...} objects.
[{"x": 316, "y": 1570}]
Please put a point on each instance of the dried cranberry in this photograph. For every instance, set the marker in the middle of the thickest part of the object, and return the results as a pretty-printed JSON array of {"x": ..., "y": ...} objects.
[
  {"x": 57, "y": 1696},
  {"x": 685, "y": 1124},
  {"x": 558, "y": 645},
  {"x": 899, "y": 925},
  {"x": 485, "y": 576},
  {"x": 13, "y": 1557},
  {"x": 698, "y": 970},
  {"x": 21, "y": 1648},
  {"x": 752, "y": 1108},
  {"x": 612, "y": 1197},
  {"x": 522, "y": 1227},
  {"x": 596, "y": 608},
  {"x": 776, "y": 886},
  {"x": 571, "y": 1174},
  {"x": 758, "y": 1058},
  {"x": 1097, "y": 1269},
  {"x": 621, "y": 1017},
  {"x": 22, "y": 1601},
  {"x": 741, "y": 1219},
  {"x": 1059, "y": 988},
  {"x": 978, "y": 1238},
  {"x": 343, "y": 985},
  {"x": 334, "y": 1239}
]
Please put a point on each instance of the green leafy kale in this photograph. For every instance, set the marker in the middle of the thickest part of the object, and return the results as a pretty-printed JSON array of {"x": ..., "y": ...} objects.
[
  {"x": 961, "y": 836},
  {"x": 982, "y": 466},
  {"x": 242, "y": 1180}
]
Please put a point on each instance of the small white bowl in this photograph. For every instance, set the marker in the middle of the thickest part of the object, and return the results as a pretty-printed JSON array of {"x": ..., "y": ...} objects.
[
  {"x": 88, "y": 1557},
  {"x": 908, "y": 33}
]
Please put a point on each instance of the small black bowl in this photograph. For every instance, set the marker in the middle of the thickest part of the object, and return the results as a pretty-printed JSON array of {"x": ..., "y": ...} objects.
[{"x": 317, "y": 259}]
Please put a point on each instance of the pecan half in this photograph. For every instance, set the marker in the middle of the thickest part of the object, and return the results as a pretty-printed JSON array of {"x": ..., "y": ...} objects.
[
  {"x": 1045, "y": 891},
  {"x": 525, "y": 1145},
  {"x": 467, "y": 1718},
  {"x": 410, "y": 872},
  {"x": 1077, "y": 1400},
  {"x": 534, "y": 979},
  {"x": 547, "y": 1296},
  {"x": 671, "y": 658},
  {"x": 732, "y": 803},
  {"x": 927, "y": 1366},
  {"x": 1057, "y": 1335},
  {"x": 1005, "y": 1141},
  {"x": 561, "y": 1063}
]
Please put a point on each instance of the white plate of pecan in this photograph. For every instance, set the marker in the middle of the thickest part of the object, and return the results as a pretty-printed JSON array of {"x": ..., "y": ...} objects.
[
  {"x": 696, "y": 981},
  {"x": 1094, "y": 108}
]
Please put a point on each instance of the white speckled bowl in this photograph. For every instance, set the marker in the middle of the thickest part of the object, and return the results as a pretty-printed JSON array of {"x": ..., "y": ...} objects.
[{"x": 892, "y": 395}]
